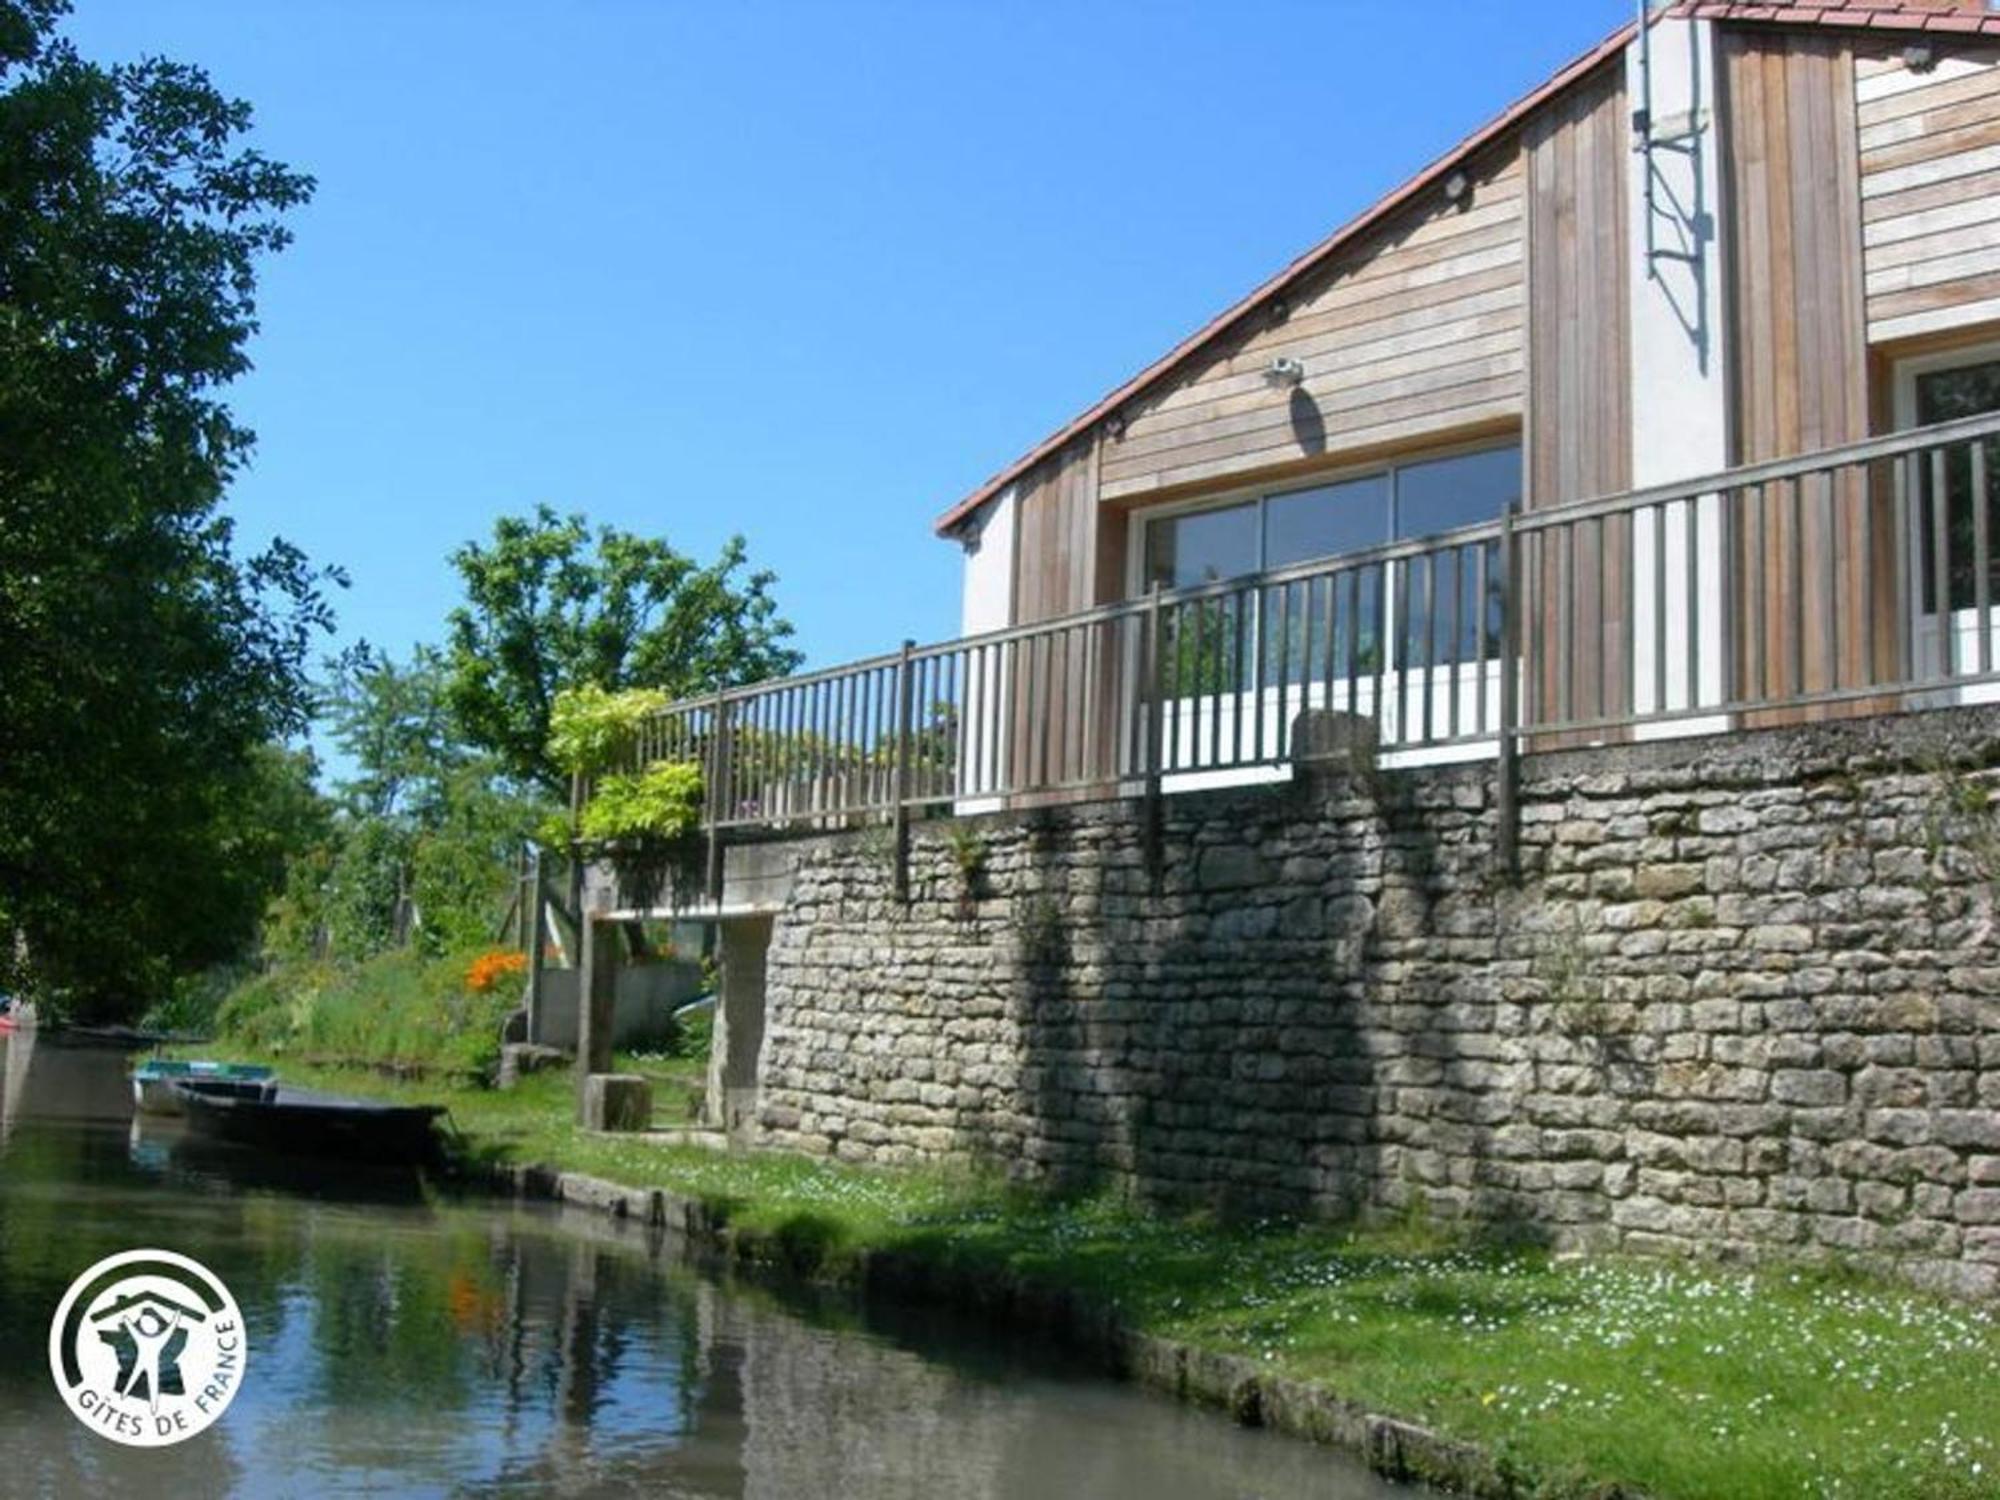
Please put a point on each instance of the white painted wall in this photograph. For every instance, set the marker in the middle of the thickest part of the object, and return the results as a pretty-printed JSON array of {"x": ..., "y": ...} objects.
[
  {"x": 987, "y": 596},
  {"x": 986, "y": 603},
  {"x": 1679, "y": 364}
]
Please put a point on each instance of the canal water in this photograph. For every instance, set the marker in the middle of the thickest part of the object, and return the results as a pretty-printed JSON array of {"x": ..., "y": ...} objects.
[{"x": 404, "y": 1343}]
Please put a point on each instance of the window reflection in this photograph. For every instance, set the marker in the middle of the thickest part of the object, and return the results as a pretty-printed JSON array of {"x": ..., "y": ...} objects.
[
  {"x": 1350, "y": 623},
  {"x": 1200, "y": 548}
]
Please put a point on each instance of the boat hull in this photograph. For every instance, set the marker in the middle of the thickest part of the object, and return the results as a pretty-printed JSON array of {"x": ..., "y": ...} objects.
[
  {"x": 292, "y": 1120},
  {"x": 156, "y": 1084}
]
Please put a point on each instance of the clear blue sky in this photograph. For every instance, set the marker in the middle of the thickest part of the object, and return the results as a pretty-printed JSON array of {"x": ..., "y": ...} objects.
[{"x": 804, "y": 271}]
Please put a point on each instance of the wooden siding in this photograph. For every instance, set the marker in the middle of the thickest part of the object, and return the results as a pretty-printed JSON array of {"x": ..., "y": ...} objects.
[
  {"x": 1578, "y": 432},
  {"x": 1059, "y": 567},
  {"x": 1417, "y": 332},
  {"x": 1800, "y": 361},
  {"x": 1069, "y": 554},
  {"x": 1930, "y": 190}
]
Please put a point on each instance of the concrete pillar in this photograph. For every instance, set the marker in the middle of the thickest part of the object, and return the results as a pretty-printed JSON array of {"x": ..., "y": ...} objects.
[
  {"x": 738, "y": 1037},
  {"x": 536, "y": 899},
  {"x": 597, "y": 1002}
]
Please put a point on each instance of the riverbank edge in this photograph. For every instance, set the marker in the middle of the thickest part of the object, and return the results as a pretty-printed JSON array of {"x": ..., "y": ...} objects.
[{"x": 1391, "y": 1446}]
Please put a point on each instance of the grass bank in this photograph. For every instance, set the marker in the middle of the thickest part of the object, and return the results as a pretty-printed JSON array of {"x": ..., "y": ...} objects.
[{"x": 1575, "y": 1375}]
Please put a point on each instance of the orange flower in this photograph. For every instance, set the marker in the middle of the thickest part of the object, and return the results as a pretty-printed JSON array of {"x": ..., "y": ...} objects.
[{"x": 489, "y": 969}]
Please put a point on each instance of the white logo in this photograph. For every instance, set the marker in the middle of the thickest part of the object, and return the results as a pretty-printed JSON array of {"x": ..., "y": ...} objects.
[{"x": 147, "y": 1348}]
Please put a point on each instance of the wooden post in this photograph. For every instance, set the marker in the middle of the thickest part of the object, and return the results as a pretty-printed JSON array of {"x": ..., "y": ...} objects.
[
  {"x": 1506, "y": 836},
  {"x": 538, "y": 910},
  {"x": 596, "y": 1002},
  {"x": 524, "y": 896},
  {"x": 900, "y": 783}
]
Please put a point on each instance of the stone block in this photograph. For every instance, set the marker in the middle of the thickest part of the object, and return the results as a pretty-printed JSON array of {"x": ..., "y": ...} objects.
[{"x": 617, "y": 1101}]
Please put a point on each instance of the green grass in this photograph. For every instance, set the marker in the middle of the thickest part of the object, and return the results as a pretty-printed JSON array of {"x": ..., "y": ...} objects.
[{"x": 1683, "y": 1380}]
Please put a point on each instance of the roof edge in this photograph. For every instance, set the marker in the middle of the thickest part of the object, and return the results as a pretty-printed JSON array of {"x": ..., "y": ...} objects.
[{"x": 1308, "y": 261}]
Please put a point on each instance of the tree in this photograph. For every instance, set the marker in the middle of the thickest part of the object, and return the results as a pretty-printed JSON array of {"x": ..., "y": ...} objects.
[
  {"x": 551, "y": 605},
  {"x": 393, "y": 724},
  {"x": 423, "y": 818},
  {"x": 144, "y": 665}
]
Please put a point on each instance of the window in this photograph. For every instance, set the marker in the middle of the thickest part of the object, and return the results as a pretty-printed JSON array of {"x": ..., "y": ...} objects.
[
  {"x": 1290, "y": 526},
  {"x": 1427, "y": 610},
  {"x": 1945, "y": 395}
]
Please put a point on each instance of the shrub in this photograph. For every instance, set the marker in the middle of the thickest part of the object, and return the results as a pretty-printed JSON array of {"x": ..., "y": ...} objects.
[
  {"x": 398, "y": 1010},
  {"x": 485, "y": 972},
  {"x": 659, "y": 804}
]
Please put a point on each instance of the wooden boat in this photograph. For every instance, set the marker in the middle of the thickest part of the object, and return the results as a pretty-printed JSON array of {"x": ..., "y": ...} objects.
[
  {"x": 157, "y": 1083},
  {"x": 315, "y": 1124}
]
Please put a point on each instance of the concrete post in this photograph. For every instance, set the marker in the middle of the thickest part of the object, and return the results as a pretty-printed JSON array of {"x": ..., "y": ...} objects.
[
  {"x": 597, "y": 999},
  {"x": 738, "y": 1037},
  {"x": 537, "y": 897}
]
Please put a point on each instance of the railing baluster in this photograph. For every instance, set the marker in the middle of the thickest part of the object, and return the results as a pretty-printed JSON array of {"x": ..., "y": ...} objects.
[
  {"x": 1565, "y": 620},
  {"x": 1691, "y": 544},
  {"x": 1457, "y": 555},
  {"x": 1479, "y": 587},
  {"x": 1941, "y": 564},
  {"x": 1429, "y": 679},
  {"x": 1829, "y": 604},
  {"x": 1656, "y": 528},
  {"x": 1907, "y": 589},
  {"x": 1331, "y": 635},
  {"x": 1798, "y": 585},
  {"x": 1215, "y": 701},
  {"x": 1284, "y": 644},
  {"x": 1625, "y": 682},
  {"x": 1982, "y": 559},
  {"x": 1403, "y": 652},
  {"x": 1378, "y": 686}
]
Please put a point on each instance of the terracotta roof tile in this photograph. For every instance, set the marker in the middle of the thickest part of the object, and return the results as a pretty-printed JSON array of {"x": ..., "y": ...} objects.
[{"x": 1960, "y": 17}]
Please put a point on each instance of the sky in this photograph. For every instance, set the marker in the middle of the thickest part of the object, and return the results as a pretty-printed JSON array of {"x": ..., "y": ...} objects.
[{"x": 807, "y": 272}]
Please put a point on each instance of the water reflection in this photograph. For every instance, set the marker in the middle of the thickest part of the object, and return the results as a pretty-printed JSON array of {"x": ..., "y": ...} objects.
[{"x": 407, "y": 1344}]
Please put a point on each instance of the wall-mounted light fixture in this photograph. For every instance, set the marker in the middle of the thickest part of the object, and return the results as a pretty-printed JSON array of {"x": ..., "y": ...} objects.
[
  {"x": 1284, "y": 372},
  {"x": 1115, "y": 426},
  {"x": 1458, "y": 190},
  {"x": 1920, "y": 57}
]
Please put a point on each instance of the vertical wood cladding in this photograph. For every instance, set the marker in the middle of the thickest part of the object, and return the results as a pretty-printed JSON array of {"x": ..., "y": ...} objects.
[
  {"x": 1801, "y": 362},
  {"x": 1579, "y": 416}
]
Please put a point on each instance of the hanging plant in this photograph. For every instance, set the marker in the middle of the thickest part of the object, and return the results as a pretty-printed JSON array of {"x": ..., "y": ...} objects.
[{"x": 648, "y": 824}]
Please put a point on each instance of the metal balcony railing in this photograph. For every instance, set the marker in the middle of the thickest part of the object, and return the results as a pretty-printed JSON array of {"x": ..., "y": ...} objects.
[{"x": 1857, "y": 579}]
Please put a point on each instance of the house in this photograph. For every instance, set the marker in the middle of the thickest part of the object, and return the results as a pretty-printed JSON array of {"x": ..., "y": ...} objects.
[
  {"x": 1665, "y": 405},
  {"x": 1737, "y": 234}
]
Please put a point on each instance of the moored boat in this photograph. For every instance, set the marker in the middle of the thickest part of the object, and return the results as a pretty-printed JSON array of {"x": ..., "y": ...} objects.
[
  {"x": 315, "y": 1124},
  {"x": 159, "y": 1082}
]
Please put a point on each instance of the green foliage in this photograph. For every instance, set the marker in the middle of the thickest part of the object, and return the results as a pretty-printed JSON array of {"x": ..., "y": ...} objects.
[
  {"x": 392, "y": 724},
  {"x": 593, "y": 730},
  {"x": 661, "y": 803},
  {"x": 398, "y": 1009},
  {"x": 146, "y": 663},
  {"x": 428, "y": 828},
  {"x": 550, "y": 605}
]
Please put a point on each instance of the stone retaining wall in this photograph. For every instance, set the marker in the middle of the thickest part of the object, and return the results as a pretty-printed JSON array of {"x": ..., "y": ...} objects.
[{"x": 1746, "y": 994}]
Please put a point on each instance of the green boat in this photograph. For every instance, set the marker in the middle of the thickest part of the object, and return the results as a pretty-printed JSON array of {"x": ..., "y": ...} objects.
[{"x": 157, "y": 1083}]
